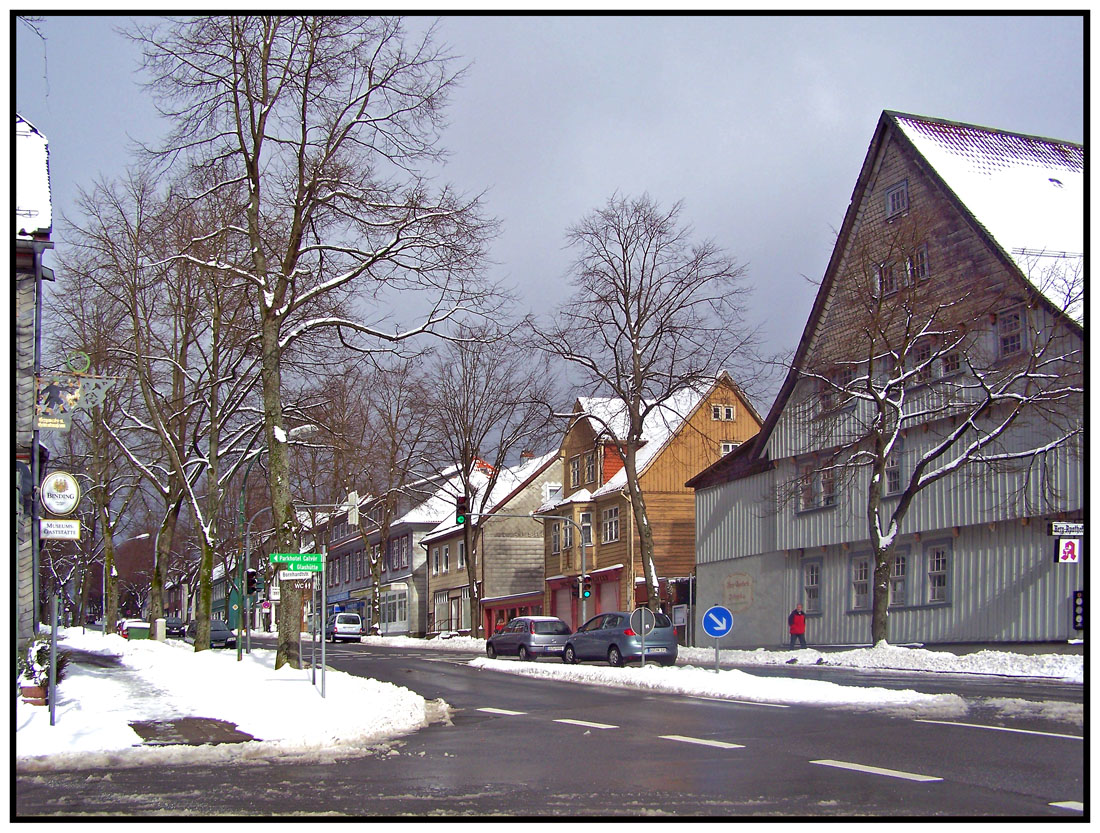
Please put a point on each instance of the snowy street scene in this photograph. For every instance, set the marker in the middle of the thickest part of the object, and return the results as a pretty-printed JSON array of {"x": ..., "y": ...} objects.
[{"x": 549, "y": 417}]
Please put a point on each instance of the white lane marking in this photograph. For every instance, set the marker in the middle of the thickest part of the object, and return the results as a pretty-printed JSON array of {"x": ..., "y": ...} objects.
[
  {"x": 1069, "y": 805},
  {"x": 703, "y": 742},
  {"x": 874, "y": 770},
  {"x": 586, "y": 723},
  {"x": 1002, "y": 729},
  {"x": 500, "y": 711}
]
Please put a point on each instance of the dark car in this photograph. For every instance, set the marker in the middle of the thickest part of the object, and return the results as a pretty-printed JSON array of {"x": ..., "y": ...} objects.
[
  {"x": 220, "y": 635},
  {"x": 529, "y": 637},
  {"x": 173, "y": 626},
  {"x": 609, "y": 637}
]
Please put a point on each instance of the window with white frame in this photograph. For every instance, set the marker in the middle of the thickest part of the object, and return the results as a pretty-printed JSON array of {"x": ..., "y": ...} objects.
[
  {"x": 575, "y": 471},
  {"x": 346, "y": 572},
  {"x": 442, "y": 609},
  {"x": 835, "y": 389},
  {"x": 723, "y": 412},
  {"x": 610, "y": 524},
  {"x": 887, "y": 279},
  {"x": 590, "y": 467},
  {"x": 1010, "y": 332},
  {"x": 897, "y": 199},
  {"x": 897, "y": 580},
  {"x": 446, "y": 557},
  {"x": 567, "y": 536},
  {"x": 586, "y": 528},
  {"x": 828, "y": 487},
  {"x": 806, "y": 498},
  {"x": 937, "y": 573},
  {"x": 358, "y": 564},
  {"x": 435, "y": 561},
  {"x": 950, "y": 363},
  {"x": 921, "y": 360},
  {"x": 893, "y": 472},
  {"x": 555, "y": 537},
  {"x": 811, "y": 586},
  {"x": 861, "y": 583},
  {"x": 729, "y": 445},
  {"x": 462, "y": 555}
]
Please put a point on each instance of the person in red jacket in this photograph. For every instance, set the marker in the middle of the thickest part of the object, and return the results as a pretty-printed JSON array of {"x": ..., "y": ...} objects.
[{"x": 797, "y": 623}]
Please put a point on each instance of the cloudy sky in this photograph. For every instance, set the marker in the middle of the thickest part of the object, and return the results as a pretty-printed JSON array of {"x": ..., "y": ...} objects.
[{"x": 758, "y": 123}]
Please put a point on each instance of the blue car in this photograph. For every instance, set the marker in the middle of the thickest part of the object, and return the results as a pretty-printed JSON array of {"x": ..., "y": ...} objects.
[{"x": 609, "y": 637}]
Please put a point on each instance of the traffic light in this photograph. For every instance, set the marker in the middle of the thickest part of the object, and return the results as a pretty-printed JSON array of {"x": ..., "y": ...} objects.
[
  {"x": 250, "y": 578},
  {"x": 1079, "y": 610},
  {"x": 461, "y": 504},
  {"x": 586, "y": 587}
]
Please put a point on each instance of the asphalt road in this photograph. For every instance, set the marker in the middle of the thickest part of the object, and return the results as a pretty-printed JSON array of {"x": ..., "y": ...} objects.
[{"x": 528, "y": 747}]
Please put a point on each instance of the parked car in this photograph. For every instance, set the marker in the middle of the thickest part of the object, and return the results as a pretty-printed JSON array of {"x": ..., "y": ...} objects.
[
  {"x": 173, "y": 626},
  {"x": 529, "y": 637},
  {"x": 608, "y": 636},
  {"x": 220, "y": 634},
  {"x": 346, "y": 626}
]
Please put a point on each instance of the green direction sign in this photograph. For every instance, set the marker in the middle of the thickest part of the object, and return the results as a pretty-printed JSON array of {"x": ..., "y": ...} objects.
[{"x": 303, "y": 562}]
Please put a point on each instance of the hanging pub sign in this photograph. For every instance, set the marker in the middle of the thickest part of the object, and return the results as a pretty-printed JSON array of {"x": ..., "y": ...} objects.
[
  {"x": 60, "y": 493},
  {"x": 59, "y": 395}
]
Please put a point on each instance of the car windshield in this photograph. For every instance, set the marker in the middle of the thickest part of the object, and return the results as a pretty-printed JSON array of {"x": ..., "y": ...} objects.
[
  {"x": 552, "y": 628},
  {"x": 218, "y": 625}
]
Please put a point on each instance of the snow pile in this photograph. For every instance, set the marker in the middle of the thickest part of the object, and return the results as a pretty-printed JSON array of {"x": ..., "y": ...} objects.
[
  {"x": 737, "y": 685},
  {"x": 163, "y": 681}
]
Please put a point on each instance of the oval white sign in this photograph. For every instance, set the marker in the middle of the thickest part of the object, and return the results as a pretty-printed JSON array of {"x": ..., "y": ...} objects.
[{"x": 60, "y": 493}]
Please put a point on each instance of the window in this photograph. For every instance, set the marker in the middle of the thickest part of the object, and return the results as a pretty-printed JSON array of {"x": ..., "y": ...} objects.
[
  {"x": 461, "y": 555},
  {"x": 435, "y": 561},
  {"x": 861, "y": 583},
  {"x": 1010, "y": 332},
  {"x": 446, "y": 557},
  {"x": 358, "y": 564},
  {"x": 346, "y": 572},
  {"x": 887, "y": 279},
  {"x": 567, "y": 536},
  {"x": 611, "y": 525},
  {"x": 806, "y": 488},
  {"x": 918, "y": 264},
  {"x": 586, "y": 528},
  {"x": 725, "y": 413},
  {"x": 893, "y": 472},
  {"x": 555, "y": 537},
  {"x": 950, "y": 363},
  {"x": 729, "y": 446},
  {"x": 937, "y": 574},
  {"x": 897, "y": 581},
  {"x": 550, "y": 491},
  {"x": 590, "y": 467},
  {"x": 836, "y": 389},
  {"x": 811, "y": 586},
  {"x": 897, "y": 199},
  {"x": 575, "y": 471},
  {"x": 828, "y": 487},
  {"x": 921, "y": 360}
]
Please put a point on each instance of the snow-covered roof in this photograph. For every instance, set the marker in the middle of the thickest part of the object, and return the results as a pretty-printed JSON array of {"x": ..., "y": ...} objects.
[
  {"x": 33, "y": 211},
  {"x": 1028, "y": 193},
  {"x": 508, "y": 481}
]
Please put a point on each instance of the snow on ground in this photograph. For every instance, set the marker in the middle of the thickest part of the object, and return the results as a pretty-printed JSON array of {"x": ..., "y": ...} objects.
[
  {"x": 285, "y": 711},
  {"x": 161, "y": 681},
  {"x": 1066, "y": 667}
]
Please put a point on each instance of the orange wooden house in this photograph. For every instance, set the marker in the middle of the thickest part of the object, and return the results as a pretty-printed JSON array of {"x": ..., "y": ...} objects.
[{"x": 688, "y": 432}]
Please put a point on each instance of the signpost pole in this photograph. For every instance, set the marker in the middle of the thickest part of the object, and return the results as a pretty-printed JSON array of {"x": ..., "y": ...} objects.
[
  {"x": 716, "y": 668},
  {"x": 324, "y": 616}
]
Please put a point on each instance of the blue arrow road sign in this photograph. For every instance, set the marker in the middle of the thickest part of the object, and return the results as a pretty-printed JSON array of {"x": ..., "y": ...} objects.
[{"x": 717, "y": 621}]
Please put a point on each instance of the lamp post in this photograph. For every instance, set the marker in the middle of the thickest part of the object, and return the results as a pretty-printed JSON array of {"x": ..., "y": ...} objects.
[{"x": 103, "y": 579}]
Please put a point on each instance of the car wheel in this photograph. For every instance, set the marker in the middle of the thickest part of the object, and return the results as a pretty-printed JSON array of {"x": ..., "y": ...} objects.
[
  {"x": 569, "y": 656},
  {"x": 524, "y": 654},
  {"x": 614, "y": 657},
  {"x": 490, "y": 651}
]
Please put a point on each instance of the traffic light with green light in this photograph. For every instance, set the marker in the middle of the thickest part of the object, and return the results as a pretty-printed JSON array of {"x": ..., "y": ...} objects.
[{"x": 461, "y": 505}]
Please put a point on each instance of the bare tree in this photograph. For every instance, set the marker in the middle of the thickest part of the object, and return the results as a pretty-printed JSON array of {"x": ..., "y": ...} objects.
[
  {"x": 492, "y": 395},
  {"x": 324, "y": 121},
  {"x": 926, "y": 379},
  {"x": 652, "y": 313}
]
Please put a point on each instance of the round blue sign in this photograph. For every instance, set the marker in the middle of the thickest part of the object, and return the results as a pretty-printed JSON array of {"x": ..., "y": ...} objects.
[{"x": 717, "y": 621}]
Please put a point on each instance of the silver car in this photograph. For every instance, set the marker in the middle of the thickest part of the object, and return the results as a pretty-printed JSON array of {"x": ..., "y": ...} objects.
[
  {"x": 608, "y": 636},
  {"x": 529, "y": 637}
]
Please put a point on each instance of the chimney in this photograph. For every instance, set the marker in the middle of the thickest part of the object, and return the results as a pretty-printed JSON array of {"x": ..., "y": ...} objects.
[{"x": 527, "y": 454}]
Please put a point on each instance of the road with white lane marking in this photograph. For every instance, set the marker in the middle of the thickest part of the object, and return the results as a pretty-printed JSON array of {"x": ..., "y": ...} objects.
[{"x": 527, "y": 747}]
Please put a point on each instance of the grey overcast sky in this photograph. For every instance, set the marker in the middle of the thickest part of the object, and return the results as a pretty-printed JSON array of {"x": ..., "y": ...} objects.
[{"x": 758, "y": 123}]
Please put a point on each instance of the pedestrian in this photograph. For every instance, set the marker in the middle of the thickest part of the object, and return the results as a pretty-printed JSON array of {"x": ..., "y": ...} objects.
[{"x": 797, "y": 623}]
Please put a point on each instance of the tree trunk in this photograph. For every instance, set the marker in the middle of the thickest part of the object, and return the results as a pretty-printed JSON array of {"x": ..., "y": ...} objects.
[
  {"x": 206, "y": 593},
  {"x": 880, "y": 608},
  {"x": 469, "y": 537}
]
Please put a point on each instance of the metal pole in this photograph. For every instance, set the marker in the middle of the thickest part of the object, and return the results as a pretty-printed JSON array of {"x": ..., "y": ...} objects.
[
  {"x": 324, "y": 615},
  {"x": 52, "y": 692},
  {"x": 313, "y": 597}
]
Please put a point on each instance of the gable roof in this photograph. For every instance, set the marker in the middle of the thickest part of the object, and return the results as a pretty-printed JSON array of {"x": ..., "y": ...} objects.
[
  {"x": 1024, "y": 194},
  {"x": 510, "y": 482},
  {"x": 33, "y": 210}
]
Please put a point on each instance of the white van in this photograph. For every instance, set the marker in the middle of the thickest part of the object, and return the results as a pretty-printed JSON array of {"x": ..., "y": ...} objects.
[{"x": 347, "y": 626}]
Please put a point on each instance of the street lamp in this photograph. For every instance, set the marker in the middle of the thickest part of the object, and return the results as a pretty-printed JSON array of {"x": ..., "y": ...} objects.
[{"x": 103, "y": 578}]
